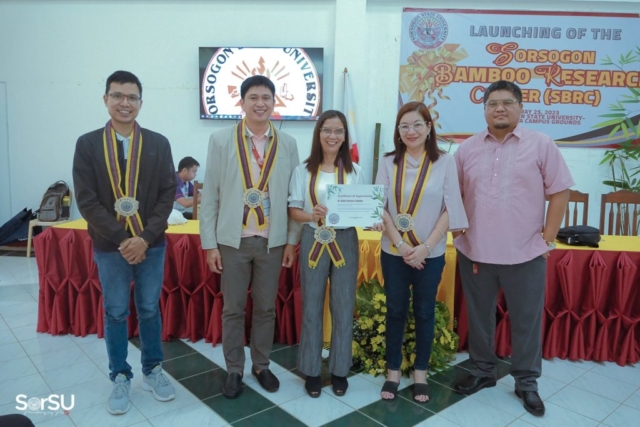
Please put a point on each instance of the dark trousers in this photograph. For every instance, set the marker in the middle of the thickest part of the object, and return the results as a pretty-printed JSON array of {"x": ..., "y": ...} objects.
[
  {"x": 523, "y": 286},
  {"x": 256, "y": 264},
  {"x": 398, "y": 279}
]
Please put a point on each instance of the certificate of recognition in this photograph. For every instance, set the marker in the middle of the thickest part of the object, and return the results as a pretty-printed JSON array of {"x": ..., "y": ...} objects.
[{"x": 354, "y": 205}]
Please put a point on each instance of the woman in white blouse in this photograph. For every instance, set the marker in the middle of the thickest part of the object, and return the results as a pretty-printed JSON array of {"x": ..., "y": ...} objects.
[{"x": 325, "y": 253}]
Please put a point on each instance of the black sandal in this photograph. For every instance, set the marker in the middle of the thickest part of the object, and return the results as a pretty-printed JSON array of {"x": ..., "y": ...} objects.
[
  {"x": 313, "y": 385},
  {"x": 390, "y": 387},
  {"x": 421, "y": 389},
  {"x": 340, "y": 385}
]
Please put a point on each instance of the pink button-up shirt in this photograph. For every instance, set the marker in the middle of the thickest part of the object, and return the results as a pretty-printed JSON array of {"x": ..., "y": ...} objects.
[{"x": 503, "y": 186}]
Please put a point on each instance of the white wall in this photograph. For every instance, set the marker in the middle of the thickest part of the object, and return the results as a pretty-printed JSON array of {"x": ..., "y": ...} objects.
[
  {"x": 5, "y": 190},
  {"x": 56, "y": 55}
]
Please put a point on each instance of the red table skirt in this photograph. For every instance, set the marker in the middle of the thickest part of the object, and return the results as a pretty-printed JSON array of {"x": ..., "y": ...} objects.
[
  {"x": 70, "y": 300},
  {"x": 592, "y": 308}
]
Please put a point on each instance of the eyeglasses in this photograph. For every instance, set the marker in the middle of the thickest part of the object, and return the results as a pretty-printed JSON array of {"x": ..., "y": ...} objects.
[
  {"x": 504, "y": 102},
  {"x": 417, "y": 126},
  {"x": 117, "y": 96},
  {"x": 329, "y": 131}
]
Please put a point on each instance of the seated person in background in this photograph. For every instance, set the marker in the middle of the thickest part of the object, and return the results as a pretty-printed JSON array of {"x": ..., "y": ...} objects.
[{"x": 187, "y": 170}]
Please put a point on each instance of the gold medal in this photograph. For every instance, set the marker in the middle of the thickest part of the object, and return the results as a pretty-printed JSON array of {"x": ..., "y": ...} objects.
[
  {"x": 404, "y": 222},
  {"x": 127, "y": 206},
  {"x": 254, "y": 194},
  {"x": 404, "y": 219},
  {"x": 252, "y": 198},
  {"x": 324, "y": 235}
]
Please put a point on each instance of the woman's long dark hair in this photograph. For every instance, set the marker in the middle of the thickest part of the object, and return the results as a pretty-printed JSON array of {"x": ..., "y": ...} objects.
[
  {"x": 315, "y": 159},
  {"x": 433, "y": 151}
]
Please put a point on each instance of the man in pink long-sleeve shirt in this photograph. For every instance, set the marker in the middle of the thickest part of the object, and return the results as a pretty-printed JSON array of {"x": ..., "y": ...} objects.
[{"x": 505, "y": 172}]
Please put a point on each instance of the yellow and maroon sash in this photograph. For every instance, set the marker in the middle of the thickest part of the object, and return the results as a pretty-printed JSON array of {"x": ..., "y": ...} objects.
[
  {"x": 325, "y": 237},
  {"x": 253, "y": 195},
  {"x": 404, "y": 220},
  {"x": 126, "y": 204}
]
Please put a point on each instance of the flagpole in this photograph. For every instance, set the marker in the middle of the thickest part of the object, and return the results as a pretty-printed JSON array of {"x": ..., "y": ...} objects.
[
  {"x": 348, "y": 108},
  {"x": 344, "y": 84}
]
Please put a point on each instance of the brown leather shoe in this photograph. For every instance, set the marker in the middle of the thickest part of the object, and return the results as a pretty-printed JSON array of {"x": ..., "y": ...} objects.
[
  {"x": 532, "y": 402},
  {"x": 232, "y": 386},
  {"x": 471, "y": 384},
  {"x": 267, "y": 380}
]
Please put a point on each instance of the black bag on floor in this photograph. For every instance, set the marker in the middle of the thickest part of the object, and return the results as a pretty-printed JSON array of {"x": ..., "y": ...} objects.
[
  {"x": 579, "y": 235},
  {"x": 17, "y": 228}
]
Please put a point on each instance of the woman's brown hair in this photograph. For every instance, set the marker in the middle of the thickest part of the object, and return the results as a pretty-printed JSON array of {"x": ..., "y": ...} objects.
[
  {"x": 316, "y": 157},
  {"x": 431, "y": 145}
]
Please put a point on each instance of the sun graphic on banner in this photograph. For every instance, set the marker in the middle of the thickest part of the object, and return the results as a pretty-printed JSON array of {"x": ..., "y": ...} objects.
[
  {"x": 419, "y": 77},
  {"x": 291, "y": 70}
]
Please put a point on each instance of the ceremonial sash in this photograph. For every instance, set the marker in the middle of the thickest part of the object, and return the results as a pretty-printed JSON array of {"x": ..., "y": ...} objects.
[
  {"x": 253, "y": 195},
  {"x": 126, "y": 204},
  {"x": 404, "y": 220},
  {"x": 325, "y": 237}
]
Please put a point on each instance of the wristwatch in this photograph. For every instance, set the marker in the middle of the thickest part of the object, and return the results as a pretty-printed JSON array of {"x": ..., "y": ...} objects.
[{"x": 551, "y": 245}]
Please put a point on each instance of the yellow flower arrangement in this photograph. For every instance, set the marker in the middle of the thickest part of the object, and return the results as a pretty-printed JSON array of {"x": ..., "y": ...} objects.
[{"x": 369, "y": 326}]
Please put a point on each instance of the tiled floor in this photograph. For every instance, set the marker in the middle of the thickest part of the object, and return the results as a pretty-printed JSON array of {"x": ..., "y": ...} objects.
[{"x": 37, "y": 365}]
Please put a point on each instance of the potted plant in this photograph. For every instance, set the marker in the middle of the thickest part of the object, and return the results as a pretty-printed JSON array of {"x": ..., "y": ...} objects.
[
  {"x": 623, "y": 117},
  {"x": 623, "y": 162},
  {"x": 369, "y": 327}
]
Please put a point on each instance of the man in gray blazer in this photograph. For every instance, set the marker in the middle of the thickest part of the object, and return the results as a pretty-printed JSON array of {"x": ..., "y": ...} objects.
[{"x": 245, "y": 229}]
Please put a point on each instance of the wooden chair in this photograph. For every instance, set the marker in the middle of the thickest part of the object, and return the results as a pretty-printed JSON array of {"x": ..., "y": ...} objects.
[
  {"x": 575, "y": 198},
  {"x": 624, "y": 222},
  {"x": 197, "y": 186}
]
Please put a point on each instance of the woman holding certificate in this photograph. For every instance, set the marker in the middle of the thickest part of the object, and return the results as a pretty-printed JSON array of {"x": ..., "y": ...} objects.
[
  {"x": 422, "y": 202},
  {"x": 325, "y": 252}
]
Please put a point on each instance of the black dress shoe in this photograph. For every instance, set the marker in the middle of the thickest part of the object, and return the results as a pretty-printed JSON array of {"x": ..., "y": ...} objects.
[
  {"x": 267, "y": 380},
  {"x": 471, "y": 384},
  {"x": 232, "y": 386},
  {"x": 532, "y": 402}
]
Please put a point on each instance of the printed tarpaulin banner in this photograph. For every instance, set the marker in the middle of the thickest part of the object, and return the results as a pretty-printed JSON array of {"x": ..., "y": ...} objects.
[{"x": 579, "y": 72}]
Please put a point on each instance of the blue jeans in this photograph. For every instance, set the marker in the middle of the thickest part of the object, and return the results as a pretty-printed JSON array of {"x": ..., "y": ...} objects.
[
  {"x": 116, "y": 275},
  {"x": 398, "y": 277}
]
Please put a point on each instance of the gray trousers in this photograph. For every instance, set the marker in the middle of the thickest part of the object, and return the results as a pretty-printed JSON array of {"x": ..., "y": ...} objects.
[
  {"x": 342, "y": 293},
  {"x": 252, "y": 263},
  {"x": 523, "y": 286}
]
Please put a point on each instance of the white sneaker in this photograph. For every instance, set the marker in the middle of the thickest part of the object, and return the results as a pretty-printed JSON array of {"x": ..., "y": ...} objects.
[
  {"x": 119, "y": 398},
  {"x": 157, "y": 383}
]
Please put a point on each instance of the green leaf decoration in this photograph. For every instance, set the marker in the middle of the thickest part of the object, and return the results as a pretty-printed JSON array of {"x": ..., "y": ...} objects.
[
  {"x": 607, "y": 123},
  {"x": 631, "y": 127},
  {"x": 617, "y": 184},
  {"x": 625, "y": 130},
  {"x": 613, "y": 115},
  {"x": 614, "y": 130}
]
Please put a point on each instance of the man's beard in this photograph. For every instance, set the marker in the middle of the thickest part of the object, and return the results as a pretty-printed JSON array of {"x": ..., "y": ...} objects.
[{"x": 502, "y": 126}]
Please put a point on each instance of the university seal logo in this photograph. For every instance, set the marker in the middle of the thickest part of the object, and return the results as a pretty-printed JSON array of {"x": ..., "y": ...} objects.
[
  {"x": 428, "y": 30},
  {"x": 290, "y": 69}
]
